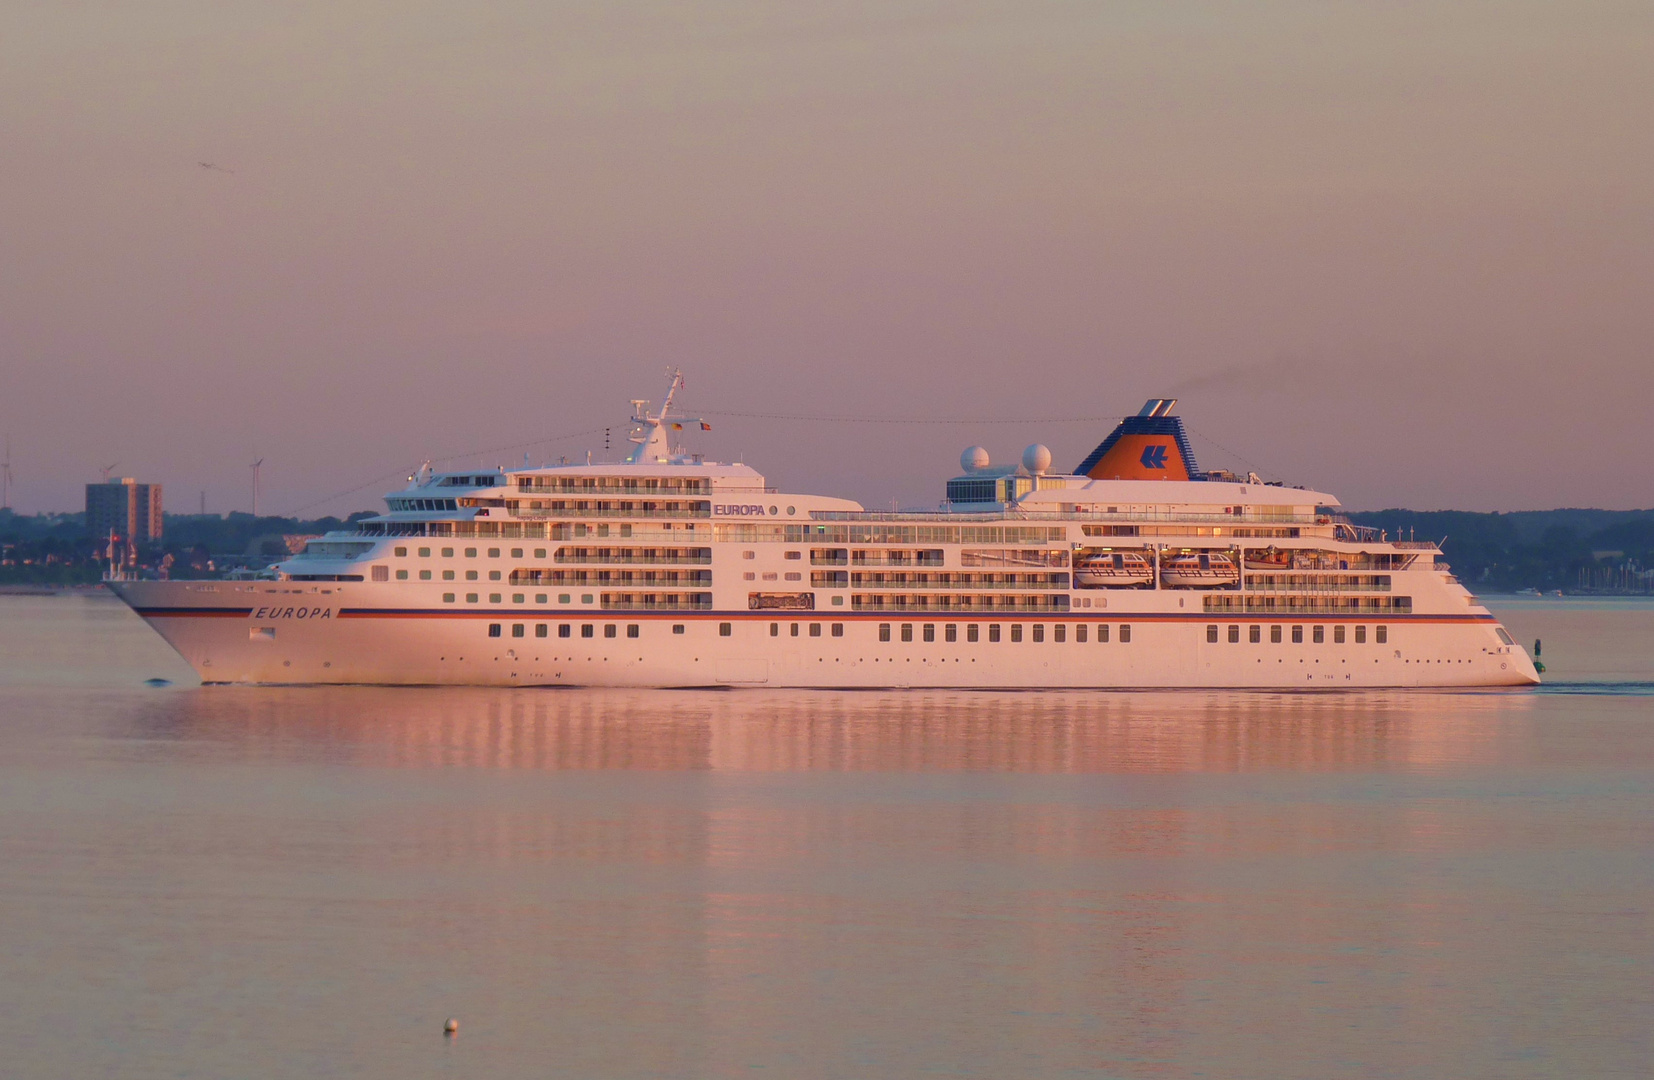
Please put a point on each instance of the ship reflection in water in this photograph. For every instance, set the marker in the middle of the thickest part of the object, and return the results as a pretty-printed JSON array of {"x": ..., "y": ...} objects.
[{"x": 859, "y": 884}]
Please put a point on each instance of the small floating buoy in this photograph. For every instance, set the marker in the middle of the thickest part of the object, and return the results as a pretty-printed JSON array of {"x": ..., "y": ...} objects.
[{"x": 451, "y": 1027}]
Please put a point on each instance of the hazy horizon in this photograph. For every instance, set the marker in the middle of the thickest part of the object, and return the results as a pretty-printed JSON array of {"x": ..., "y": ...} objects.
[{"x": 1399, "y": 253}]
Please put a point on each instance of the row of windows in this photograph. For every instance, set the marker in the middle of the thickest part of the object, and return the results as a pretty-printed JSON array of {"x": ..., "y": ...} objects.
[
  {"x": 1318, "y": 634},
  {"x": 566, "y": 630},
  {"x": 470, "y": 553},
  {"x": 950, "y": 632}
]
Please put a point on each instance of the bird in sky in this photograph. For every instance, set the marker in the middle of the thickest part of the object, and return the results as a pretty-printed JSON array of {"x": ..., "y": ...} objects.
[{"x": 215, "y": 168}]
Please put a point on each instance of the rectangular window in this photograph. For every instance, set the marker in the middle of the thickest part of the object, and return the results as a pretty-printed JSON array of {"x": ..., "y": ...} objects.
[
  {"x": 1039, "y": 633},
  {"x": 470, "y": 553},
  {"x": 610, "y": 630},
  {"x": 1211, "y": 635},
  {"x": 907, "y": 631},
  {"x": 677, "y": 628},
  {"x": 516, "y": 553},
  {"x": 815, "y": 629},
  {"x": 1318, "y": 635},
  {"x": 518, "y": 598},
  {"x": 588, "y": 630},
  {"x": 1079, "y": 633},
  {"x": 517, "y": 629},
  {"x": 447, "y": 575},
  {"x": 539, "y": 598},
  {"x": 493, "y": 598},
  {"x": 1297, "y": 635},
  {"x": 470, "y": 598},
  {"x": 631, "y": 630},
  {"x": 971, "y": 633},
  {"x": 775, "y": 629},
  {"x": 424, "y": 553},
  {"x": 1381, "y": 634},
  {"x": 493, "y": 553},
  {"x": 563, "y": 598},
  {"x": 884, "y": 631},
  {"x": 494, "y": 629},
  {"x": 539, "y": 553},
  {"x": 838, "y": 629},
  {"x": 493, "y": 575},
  {"x": 1125, "y": 634},
  {"x": 470, "y": 575},
  {"x": 1102, "y": 633},
  {"x": 1059, "y": 633},
  {"x": 950, "y": 632},
  {"x": 402, "y": 553},
  {"x": 1274, "y": 635},
  {"x": 723, "y": 629},
  {"x": 585, "y": 598},
  {"x": 541, "y": 629},
  {"x": 1338, "y": 635},
  {"x": 1234, "y": 635},
  {"x": 793, "y": 555},
  {"x": 1016, "y": 631},
  {"x": 424, "y": 575},
  {"x": 993, "y": 632},
  {"x": 1254, "y": 634},
  {"x": 795, "y": 630},
  {"x": 565, "y": 630},
  {"x": 447, "y": 598},
  {"x": 381, "y": 573},
  {"x": 447, "y": 553},
  {"x": 930, "y": 631},
  {"x": 402, "y": 575}
]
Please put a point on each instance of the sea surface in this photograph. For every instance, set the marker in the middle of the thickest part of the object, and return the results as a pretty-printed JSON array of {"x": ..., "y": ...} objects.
[{"x": 231, "y": 882}]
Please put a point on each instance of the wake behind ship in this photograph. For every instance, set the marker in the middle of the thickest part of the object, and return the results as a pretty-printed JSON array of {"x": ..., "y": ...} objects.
[{"x": 1137, "y": 570}]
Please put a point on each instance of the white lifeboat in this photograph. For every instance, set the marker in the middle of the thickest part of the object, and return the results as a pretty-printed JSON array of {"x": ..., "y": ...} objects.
[
  {"x": 1112, "y": 569},
  {"x": 1204, "y": 569}
]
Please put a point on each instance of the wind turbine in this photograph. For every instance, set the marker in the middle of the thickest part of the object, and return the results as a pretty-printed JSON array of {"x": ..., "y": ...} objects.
[{"x": 107, "y": 469}]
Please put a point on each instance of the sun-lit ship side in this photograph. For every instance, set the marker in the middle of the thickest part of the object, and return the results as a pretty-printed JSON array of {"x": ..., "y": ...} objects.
[{"x": 663, "y": 570}]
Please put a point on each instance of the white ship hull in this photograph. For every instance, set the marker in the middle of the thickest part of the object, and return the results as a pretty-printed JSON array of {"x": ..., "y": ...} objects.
[{"x": 287, "y": 632}]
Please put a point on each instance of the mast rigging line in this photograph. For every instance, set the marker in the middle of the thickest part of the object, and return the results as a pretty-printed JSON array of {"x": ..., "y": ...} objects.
[{"x": 912, "y": 420}]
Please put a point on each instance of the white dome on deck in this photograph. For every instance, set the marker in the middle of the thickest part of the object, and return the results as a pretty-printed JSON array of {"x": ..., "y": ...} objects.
[{"x": 973, "y": 459}]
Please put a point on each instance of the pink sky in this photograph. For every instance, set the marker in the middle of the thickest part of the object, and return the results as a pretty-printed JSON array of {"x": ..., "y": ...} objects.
[{"x": 1402, "y": 252}]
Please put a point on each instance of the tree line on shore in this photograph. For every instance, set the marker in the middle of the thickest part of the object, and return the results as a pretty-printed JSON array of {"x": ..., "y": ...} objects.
[{"x": 1571, "y": 550}]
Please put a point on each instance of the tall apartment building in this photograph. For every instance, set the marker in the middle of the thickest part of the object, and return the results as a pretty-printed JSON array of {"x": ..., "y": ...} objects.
[{"x": 132, "y": 510}]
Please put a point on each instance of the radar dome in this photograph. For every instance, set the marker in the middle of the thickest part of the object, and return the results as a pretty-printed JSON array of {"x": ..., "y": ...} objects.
[
  {"x": 1036, "y": 459},
  {"x": 973, "y": 459}
]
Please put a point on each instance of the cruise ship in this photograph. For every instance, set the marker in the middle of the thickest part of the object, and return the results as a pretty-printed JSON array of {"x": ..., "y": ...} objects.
[{"x": 1135, "y": 570}]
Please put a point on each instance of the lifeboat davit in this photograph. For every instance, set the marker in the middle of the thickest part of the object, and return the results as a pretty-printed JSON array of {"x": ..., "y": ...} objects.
[
  {"x": 1202, "y": 570},
  {"x": 1112, "y": 569}
]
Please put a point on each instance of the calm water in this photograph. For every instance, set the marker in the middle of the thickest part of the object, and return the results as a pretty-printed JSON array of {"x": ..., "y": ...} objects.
[{"x": 292, "y": 883}]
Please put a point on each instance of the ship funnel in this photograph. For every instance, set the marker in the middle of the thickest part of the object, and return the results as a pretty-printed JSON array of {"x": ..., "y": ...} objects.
[{"x": 1149, "y": 446}]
